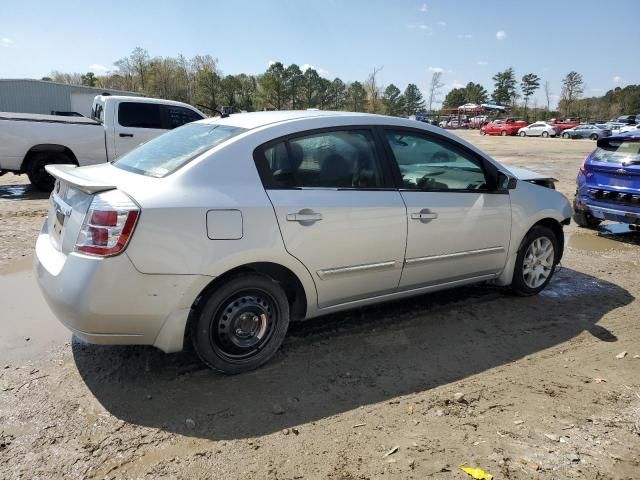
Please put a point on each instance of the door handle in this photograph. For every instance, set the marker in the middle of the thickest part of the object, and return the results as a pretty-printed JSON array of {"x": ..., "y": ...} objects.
[
  {"x": 126, "y": 135},
  {"x": 304, "y": 215},
  {"x": 424, "y": 214}
]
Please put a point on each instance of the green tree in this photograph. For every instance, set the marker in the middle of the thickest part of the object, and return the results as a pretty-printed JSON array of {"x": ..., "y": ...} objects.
[
  {"x": 273, "y": 87},
  {"x": 338, "y": 94},
  {"x": 529, "y": 84},
  {"x": 229, "y": 87},
  {"x": 413, "y": 100},
  {"x": 356, "y": 97},
  {"x": 505, "y": 87},
  {"x": 393, "y": 101},
  {"x": 309, "y": 88},
  {"x": 89, "y": 79},
  {"x": 247, "y": 87},
  {"x": 294, "y": 79},
  {"x": 455, "y": 98},
  {"x": 475, "y": 93}
]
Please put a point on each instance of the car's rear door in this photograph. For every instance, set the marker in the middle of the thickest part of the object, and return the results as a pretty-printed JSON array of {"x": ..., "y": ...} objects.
[
  {"x": 137, "y": 123},
  {"x": 457, "y": 228},
  {"x": 338, "y": 211}
]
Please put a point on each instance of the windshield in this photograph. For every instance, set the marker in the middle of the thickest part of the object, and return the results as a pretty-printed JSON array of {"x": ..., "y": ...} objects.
[
  {"x": 617, "y": 151},
  {"x": 165, "y": 154}
]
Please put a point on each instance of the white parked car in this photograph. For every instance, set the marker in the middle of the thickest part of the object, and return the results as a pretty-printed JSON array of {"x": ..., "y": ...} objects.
[
  {"x": 29, "y": 142},
  {"x": 538, "y": 129},
  {"x": 630, "y": 128},
  {"x": 228, "y": 229}
]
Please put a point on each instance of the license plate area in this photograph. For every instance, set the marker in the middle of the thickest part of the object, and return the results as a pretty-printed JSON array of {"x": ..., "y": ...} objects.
[{"x": 60, "y": 212}]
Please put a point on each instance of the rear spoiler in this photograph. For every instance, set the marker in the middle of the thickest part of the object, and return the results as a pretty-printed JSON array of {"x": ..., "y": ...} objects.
[
  {"x": 616, "y": 140},
  {"x": 67, "y": 173}
]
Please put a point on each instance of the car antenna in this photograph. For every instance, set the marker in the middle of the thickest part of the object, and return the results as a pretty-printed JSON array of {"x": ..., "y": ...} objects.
[{"x": 214, "y": 110}]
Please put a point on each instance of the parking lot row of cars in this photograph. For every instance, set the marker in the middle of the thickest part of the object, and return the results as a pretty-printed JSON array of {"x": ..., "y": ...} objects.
[{"x": 566, "y": 129}]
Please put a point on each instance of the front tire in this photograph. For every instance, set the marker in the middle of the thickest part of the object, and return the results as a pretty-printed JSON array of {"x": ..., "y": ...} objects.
[
  {"x": 536, "y": 261},
  {"x": 585, "y": 220},
  {"x": 242, "y": 324},
  {"x": 545, "y": 134},
  {"x": 523, "y": 134}
]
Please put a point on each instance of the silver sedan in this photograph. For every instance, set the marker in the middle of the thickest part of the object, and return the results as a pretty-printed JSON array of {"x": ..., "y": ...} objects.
[
  {"x": 538, "y": 129},
  {"x": 226, "y": 230},
  {"x": 586, "y": 131}
]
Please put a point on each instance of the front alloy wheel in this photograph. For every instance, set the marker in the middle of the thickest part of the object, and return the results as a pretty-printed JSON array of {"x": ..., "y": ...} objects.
[{"x": 536, "y": 261}]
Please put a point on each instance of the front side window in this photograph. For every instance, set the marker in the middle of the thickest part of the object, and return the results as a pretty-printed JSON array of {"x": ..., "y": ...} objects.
[
  {"x": 429, "y": 164},
  {"x": 178, "y": 116},
  {"x": 337, "y": 159},
  {"x": 140, "y": 115},
  {"x": 165, "y": 154}
]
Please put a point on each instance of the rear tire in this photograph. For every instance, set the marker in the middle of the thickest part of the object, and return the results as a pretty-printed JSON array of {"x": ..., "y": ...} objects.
[
  {"x": 242, "y": 324},
  {"x": 38, "y": 176},
  {"x": 536, "y": 261},
  {"x": 585, "y": 220}
]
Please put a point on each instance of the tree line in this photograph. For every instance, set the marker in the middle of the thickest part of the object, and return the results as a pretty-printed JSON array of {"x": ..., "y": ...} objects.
[{"x": 199, "y": 81}]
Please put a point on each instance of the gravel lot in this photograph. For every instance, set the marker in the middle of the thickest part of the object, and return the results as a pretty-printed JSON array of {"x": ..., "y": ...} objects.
[{"x": 522, "y": 387}]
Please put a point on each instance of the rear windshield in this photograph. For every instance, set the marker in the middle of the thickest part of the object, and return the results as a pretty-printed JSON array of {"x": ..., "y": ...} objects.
[
  {"x": 168, "y": 152},
  {"x": 617, "y": 151}
]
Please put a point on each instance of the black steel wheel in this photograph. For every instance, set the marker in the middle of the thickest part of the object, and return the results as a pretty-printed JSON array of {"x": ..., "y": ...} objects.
[
  {"x": 241, "y": 324},
  {"x": 38, "y": 176}
]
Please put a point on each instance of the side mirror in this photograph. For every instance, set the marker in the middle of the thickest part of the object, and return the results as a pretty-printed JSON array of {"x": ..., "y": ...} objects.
[{"x": 506, "y": 182}]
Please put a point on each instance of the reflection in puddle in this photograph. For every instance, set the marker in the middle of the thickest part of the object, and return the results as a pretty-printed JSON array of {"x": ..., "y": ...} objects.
[
  {"x": 615, "y": 236},
  {"x": 20, "y": 192}
]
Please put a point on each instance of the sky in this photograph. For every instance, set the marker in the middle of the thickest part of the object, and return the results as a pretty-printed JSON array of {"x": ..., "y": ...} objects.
[{"x": 468, "y": 40}]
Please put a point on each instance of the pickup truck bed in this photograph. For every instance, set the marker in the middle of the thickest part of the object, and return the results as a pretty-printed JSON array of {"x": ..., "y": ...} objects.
[{"x": 36, "y": 117}]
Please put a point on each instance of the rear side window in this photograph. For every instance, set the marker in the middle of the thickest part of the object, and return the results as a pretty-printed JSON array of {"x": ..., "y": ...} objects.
[
  {"x": 140, "y": 115},
  {"x": 617, "y": 151},
  {"x": 336, "y": 159},
  {"x": 178, "y": 116},
  {"x": 165, "y": 154}
]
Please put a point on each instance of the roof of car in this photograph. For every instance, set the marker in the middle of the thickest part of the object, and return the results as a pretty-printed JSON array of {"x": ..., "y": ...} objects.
[{"x": 252, "y": 120}]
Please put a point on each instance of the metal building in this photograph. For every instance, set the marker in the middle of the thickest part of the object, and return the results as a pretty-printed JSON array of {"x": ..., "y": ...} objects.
[{"x": 39, "y": 96}]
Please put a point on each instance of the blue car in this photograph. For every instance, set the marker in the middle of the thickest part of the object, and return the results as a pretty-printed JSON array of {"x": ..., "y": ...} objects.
[{"x": 609, "y": 183}]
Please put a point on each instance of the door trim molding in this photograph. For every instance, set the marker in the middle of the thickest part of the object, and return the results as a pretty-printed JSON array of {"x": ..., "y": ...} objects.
[
  {"x": 330, "y": 272},
  {"x": 468, "y": 253}
]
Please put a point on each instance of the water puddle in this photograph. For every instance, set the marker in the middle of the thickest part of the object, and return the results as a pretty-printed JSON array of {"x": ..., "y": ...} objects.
[
  {"x": 20, "y": 192},
  {"x": 29, "y": 328},
  {"x": 610, "y": 237}
]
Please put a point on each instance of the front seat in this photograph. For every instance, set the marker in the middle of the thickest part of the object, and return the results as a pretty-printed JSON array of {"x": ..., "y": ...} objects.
[{"x": 335, "y": 171}]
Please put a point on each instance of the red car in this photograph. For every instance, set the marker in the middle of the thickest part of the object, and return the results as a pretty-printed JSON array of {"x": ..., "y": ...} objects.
[
  {"x": 509, "y": 126},
  {"x": 562, "y": 125}
]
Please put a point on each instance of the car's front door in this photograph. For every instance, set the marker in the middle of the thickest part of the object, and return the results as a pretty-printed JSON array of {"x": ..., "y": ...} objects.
[
  {"x": 457, "y": 227},
  {"x": 137, "y": 123},
  {"x": 338, "y": 211}
]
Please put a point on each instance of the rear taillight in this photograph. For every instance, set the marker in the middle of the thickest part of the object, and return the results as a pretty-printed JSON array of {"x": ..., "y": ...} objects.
[
  {"x": 108, "y": 224},
  {"x": 583, "y": 168}
]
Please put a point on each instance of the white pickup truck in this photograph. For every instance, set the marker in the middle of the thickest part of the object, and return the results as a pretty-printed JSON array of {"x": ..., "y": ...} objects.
[{"x": 28, "y": 142}]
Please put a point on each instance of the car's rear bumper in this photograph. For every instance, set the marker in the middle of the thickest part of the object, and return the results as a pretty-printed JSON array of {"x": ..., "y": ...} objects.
[{"x": 107, "y": 301}]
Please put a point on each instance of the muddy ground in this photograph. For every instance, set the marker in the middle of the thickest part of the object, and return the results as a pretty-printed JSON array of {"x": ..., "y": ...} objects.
[{"x": 522, "y": 387}]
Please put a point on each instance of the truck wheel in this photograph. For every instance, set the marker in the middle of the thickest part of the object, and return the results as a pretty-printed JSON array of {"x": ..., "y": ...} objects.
[
  {"x": 38, "y": 176},
  {"x": 585, "y": 220},
  {"x": 536, "y": 261},
  {"x": 241, "y": 324},
  {"x": 503, "y": 133}
]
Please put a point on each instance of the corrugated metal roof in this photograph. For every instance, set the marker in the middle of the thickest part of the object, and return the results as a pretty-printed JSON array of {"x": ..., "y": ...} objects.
[{"x": 27, "y": 95}]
